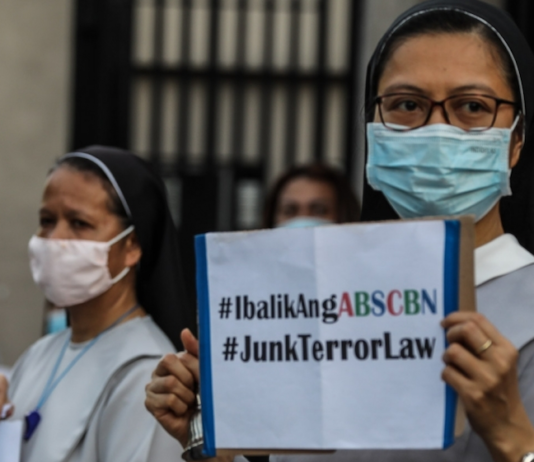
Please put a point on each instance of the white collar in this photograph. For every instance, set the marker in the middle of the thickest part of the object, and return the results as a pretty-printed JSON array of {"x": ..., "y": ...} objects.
[{"x": 499, "y": 257}]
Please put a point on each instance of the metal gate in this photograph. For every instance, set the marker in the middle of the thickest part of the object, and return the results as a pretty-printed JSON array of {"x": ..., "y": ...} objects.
[{"x": 221, "y": 95}]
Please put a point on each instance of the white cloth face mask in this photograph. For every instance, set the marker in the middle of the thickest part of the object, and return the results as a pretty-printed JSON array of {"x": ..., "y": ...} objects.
[{"x": 72, "y": 271}]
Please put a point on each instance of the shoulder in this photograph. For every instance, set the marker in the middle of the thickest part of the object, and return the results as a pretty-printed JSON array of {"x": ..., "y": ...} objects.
[
  {"x": 47, "y": 343},
  {"x": 508, "y": 302},
  {"x": 138, "y": 347},
  {"x": 122, "y": 414},
  {"x": 39, "y": 352},
  {"x": 140, "y": 336},
  {"x": 500, "y": 257},
  {"x": 142, "y": 344},
  {"x": 132, "y": 377},
  {"x": 133, "y": 348},
  {"x": 156, "y": 334},
  {"x": 519, "y": 282}
]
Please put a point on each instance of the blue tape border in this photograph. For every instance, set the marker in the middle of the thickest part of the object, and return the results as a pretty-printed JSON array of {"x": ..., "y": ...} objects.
[
  {"x": 206, "y": 387},
  {"x": 451, "y": 287}
]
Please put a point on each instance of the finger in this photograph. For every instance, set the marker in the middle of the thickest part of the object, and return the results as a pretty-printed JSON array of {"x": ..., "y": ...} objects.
[
  {"x": 172, "y": 365},
  {"x": 468, "y": 334},
  {"x": 169, "y": 384},
  {"x": 466, "y": 363},
  {"x": 487, "y": 327},
  {"x": 192, "y": 365},
  {"x": 158, "y": 404},
  {"x": 190, "y": 342},
  {"x": 456, "y": 379},
  {"x": 165, "y": 365},
  {"x": 6, "y": 411}
]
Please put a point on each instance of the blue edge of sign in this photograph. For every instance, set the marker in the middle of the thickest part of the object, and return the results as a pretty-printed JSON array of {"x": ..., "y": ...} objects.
[
  {"x": 451, "y": 292},
  {"x": 206, "y": 389},
  {"x": 451, "y": 303}
]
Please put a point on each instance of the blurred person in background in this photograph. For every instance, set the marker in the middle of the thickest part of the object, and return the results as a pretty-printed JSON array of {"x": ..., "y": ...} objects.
[
  {"x": 310, "y": 195},
  {"x": 106, "y": 251},
  {"x": 55, "y": 319}
]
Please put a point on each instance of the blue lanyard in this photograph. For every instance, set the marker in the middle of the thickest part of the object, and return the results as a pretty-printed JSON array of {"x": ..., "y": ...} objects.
[
  {"x": 33, "y": 418},
  {"x": 51, "y": 384}
]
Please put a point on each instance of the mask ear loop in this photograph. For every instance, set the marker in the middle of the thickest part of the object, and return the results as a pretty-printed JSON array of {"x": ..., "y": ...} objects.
[
  {"x": 518, "y": 117},
  {"x": 121, "y": 235},
  {"x": 116, "y": 239},
  {"x": 119, "y": 276}
]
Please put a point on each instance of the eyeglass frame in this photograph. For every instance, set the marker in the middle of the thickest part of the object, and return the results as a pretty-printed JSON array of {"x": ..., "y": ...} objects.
[{"x": 378, "y": 101}]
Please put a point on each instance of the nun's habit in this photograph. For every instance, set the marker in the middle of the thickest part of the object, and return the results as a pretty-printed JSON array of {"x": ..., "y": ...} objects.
[
  {"x": 97, "y": 411},
  {"x": 504, "y": 269}
]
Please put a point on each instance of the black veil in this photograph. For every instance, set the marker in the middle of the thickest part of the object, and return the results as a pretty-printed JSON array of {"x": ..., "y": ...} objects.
[
  {"x": 516, "y": 210},
  {"x": 160, "y": 287}
]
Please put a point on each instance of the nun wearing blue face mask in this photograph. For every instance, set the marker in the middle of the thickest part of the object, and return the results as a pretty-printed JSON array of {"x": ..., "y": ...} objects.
[
  {"x": 450, "y": 110},
  {"x": 106, "y": 251}
]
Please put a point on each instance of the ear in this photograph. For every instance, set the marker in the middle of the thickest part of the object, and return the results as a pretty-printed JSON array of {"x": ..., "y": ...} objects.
[
  {"x": 516, "y": 144},
  {"x": 133, "y": 250}
]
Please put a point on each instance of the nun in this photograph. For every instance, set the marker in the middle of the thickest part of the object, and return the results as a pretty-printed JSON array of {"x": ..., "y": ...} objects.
[
  {"x": 450, "y": 113},
  {"x": 450, "y": 109},
  {"x": 106, "y": 251}
]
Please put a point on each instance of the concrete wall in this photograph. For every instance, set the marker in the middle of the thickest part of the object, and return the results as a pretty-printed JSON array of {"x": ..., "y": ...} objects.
[{"x": 34, "y": 88}]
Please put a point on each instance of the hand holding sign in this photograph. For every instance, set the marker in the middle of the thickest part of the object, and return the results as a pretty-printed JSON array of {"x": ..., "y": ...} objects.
[
  {"x": 171, "y": 395},
  {"x": 487, "y": 383}
]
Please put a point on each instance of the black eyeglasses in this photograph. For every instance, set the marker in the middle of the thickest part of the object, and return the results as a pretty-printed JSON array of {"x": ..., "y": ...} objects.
[{"x": 408, "y": 111}]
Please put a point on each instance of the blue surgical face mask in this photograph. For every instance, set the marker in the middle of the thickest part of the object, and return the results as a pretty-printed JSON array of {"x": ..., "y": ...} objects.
[
  {"x": 56, "y": 321},
  {"x": 439, "y": 169},
  {"x": 304, "y": 222}
]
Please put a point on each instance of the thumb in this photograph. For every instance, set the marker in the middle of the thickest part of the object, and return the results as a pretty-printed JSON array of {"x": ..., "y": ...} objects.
[{"x": 190, "y": 342}]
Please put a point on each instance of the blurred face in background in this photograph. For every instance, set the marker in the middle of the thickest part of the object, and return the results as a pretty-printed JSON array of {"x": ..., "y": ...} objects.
[{"x": 305, "y": 197}]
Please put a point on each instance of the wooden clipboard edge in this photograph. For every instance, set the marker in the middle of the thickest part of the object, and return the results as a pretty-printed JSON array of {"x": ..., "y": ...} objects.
[
  {"x": 466, "y": 302},
  {"x": 466, "y": 295}
]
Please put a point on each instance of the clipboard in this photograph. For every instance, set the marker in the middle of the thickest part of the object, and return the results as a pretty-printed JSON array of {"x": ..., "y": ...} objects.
[{"x": 462, "y": 296}]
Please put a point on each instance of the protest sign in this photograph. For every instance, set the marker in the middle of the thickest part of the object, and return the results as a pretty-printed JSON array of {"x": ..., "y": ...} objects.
[
  {"x": 329, "y": 338},
  {"x": 10, "y": 440}
]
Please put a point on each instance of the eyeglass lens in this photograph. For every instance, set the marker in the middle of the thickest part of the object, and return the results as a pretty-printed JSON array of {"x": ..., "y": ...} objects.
[{"x": 465, "y": 111}]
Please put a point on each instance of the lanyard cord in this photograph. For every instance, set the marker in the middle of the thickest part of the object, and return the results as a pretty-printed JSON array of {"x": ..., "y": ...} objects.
[{"x": 52, "y": 384}]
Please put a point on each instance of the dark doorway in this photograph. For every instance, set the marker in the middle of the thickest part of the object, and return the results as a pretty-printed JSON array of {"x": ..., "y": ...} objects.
[{"x": 220, "y": 95}]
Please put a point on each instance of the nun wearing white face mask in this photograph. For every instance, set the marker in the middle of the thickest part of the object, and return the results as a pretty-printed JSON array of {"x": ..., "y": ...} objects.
[{"x": 106, "y": 251}]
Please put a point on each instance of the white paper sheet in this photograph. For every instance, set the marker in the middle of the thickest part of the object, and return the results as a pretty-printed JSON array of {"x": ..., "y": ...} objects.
[
  {"x": 10, "y": 440},
  {"x": 328, "y": 338}
]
